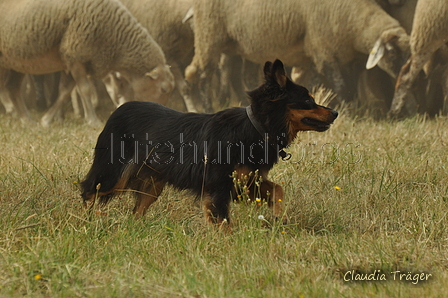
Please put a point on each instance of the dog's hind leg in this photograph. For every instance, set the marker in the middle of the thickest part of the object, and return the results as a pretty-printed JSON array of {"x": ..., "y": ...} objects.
[
  {"x": 147, "y": 193},
  {"x": 274, "y": 195}
]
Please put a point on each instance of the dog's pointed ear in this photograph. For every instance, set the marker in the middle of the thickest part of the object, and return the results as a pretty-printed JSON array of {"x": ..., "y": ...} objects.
[
  {"x": 275, "y": 72},
  {"x": 267, "y": 69}
]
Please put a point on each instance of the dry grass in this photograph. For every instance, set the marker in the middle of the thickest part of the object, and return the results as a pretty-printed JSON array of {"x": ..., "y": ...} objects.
[{"x": 363, "y": 196}]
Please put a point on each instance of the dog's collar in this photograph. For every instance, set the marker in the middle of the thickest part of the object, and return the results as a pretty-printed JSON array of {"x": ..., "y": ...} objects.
[
  {"x": 250, "y": 114},
  {"x": 254, "y": 121}
]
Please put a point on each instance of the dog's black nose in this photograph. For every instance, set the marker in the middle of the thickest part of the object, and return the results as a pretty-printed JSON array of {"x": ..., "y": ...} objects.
[{"x": 334, "y": 113}]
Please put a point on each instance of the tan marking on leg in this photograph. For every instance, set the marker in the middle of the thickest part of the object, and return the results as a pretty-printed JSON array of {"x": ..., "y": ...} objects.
[
  {"x": 208, "y": 207},
  {"x": 148, "y": 193},
  {"x": 274, "y": 199},
  {"x": 220, "y": 222}
]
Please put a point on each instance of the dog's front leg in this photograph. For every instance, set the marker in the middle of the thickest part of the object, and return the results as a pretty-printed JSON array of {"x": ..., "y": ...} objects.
[
  {"x": 216, "y": 208},
  {"x": 274, "y": 195}
]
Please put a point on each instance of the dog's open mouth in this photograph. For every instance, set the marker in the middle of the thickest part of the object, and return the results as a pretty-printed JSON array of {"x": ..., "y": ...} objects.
[{"x": 316, "y": 124}]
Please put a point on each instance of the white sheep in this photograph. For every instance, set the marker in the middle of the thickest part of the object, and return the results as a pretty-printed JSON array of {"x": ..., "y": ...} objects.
[
  {"x": 322, "y": 35},
  {"x": 164, "y": 22},
  {"x": 88, "y": 38},
  {"x": 429, "y": 33}
]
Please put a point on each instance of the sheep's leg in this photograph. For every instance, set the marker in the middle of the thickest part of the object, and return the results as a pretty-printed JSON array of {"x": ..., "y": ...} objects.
[
  {"x": 306, "y": 76},
  {"x": 241, "y": 73},
  {"x": 38, "y": 82},
  {"x": 112, "y": 89},
  {"x": 205, "y": 89},
  {"x": 4, "y": 94},
  {"x": 6, "y": 101},
  {"x": 93, "y": 100},
  {"x": 406, "y": 78},
  {"x": 231, "y": 77},
  {"x": 202, "y": 79},
  {"x": 148, "y": 193},
  {"x": 86, "y": 88},
  {"x": 12, "y": 81},
  {"x": 94, "y": 92},
  {"x": 334, "y": 76},
  {"x": 13, "y": 86},
  {"x": 225, "y": 66},
  {"x": 75, "y": 102},
  {"x": 445, "y": 91},
  {"x": 66, "y": 85},
  {"x": 183, "y": 87},
  {"x": 252, "y": 77},
  {"x": 205, "y": 61},
  {"x": 54, "y": 90}
]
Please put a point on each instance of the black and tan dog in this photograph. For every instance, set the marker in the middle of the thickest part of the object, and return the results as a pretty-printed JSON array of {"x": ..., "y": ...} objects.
[{"x": 145, "y": 146}]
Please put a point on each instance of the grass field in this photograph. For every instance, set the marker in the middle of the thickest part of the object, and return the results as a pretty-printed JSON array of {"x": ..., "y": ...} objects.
[{"x": 364, "y": 199}]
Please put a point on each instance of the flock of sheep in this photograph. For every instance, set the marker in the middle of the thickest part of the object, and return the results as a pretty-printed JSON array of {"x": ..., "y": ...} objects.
[{"x": 369, "y": 50}]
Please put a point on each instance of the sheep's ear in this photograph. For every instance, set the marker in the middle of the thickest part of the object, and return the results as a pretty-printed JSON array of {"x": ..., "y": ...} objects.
[
  {"x": 188, "y": 15},
  {"x": 153, "y": 74},
  {"x": 375, "y": 54}
]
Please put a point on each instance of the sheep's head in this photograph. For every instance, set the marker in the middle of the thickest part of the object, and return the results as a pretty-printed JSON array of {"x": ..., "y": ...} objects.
[
  {"x": 155, "y": 86},
  {"x": 390, "y": 51}
]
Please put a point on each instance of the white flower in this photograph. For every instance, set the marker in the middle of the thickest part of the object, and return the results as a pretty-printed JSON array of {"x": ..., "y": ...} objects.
[{"x": 261, "y": 217}]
